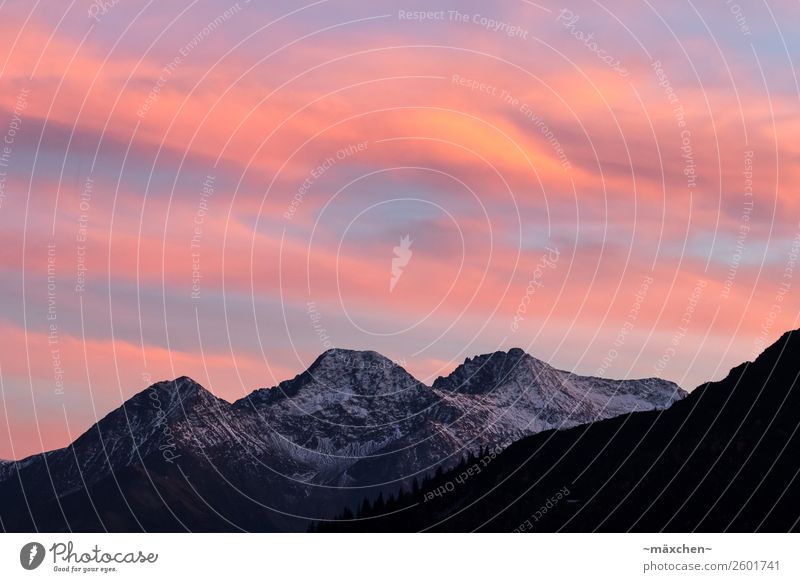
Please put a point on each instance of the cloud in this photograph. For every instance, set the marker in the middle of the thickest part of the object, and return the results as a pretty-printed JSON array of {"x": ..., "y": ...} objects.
[{"x": 328, "y": 134}]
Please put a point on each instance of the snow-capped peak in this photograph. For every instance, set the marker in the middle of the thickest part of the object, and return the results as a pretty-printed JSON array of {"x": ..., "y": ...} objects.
[
  {"x": 483, "y": 373},
  {"x": 353, "y": 418}
]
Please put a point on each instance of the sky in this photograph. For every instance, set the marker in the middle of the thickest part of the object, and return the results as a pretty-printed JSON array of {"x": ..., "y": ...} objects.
[{"x": 225, "y": 190}]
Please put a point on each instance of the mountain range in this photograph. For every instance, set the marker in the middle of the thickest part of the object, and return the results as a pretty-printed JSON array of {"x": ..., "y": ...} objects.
[
  {"x": 354, "y": 425},
  {"x": 725, "y": 458}
]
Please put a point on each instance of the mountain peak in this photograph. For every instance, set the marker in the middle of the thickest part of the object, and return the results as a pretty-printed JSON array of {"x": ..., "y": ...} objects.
[
  {"x": 512, "y": 352},
  {"x": 482, "y": 373},
  {"x": 171, "y": 397},
  {"x": 344, "y": 361},
  {"x": 353, "y": 358},
  {"x": 183, "y": 386},
  {"x": 344, "y": 373}
]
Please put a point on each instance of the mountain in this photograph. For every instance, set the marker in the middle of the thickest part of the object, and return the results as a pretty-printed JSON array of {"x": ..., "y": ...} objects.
[
  {"x": 5, "y": 468},
  {"x": 725, "y": 458},
  {"x": 175, "y": 457},
  {"x": 511, "y": 395},
  {"x": 346, "y": 407}
]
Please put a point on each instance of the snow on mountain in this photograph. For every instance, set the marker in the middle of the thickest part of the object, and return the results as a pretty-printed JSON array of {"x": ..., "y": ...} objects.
[
  {"x": 512, "y": 394},
  {"x": 352, "y": 419},
  {"x": 345, "y": 407},
  {"x": 143, "y": 425}
]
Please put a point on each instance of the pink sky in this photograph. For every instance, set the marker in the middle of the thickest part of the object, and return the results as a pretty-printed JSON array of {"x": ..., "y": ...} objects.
[{"x": 180, "y": 182}]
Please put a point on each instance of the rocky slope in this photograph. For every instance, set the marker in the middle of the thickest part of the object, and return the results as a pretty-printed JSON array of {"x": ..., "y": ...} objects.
[
  {"x": 724, "y": 459},
  {"x": 353, "y": 424}
]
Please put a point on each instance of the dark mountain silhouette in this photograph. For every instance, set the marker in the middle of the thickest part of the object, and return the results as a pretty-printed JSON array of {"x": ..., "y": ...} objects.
[
  {"x": 726, "y": 458},
  {"x": 175, "y": 457}
]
